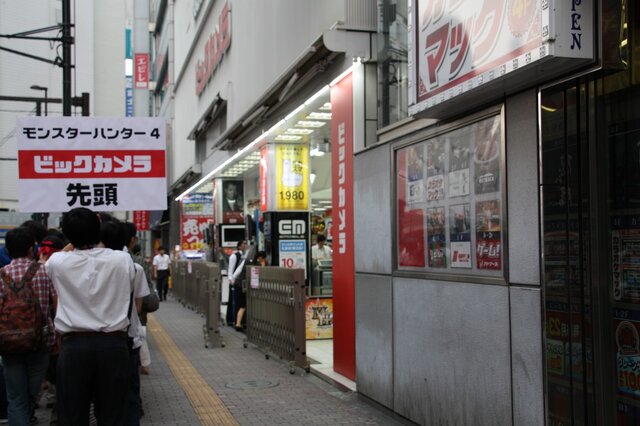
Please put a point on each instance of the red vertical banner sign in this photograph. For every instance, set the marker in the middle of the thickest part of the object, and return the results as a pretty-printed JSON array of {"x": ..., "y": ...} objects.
[
  {"x": 263, "y": 179},
  {"x": 141, "y": 70},
  {"x": 344, "y": 342},
  {"x": 141, "y": 220}
]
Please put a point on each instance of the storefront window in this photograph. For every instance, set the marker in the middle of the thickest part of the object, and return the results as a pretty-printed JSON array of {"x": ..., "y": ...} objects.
[
  {"x": 392, "y": 60},
  {"x": 450, "y": 202}
]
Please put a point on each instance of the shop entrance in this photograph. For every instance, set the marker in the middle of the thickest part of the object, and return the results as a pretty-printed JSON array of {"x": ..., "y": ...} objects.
[{"x": 590, "y": 197}]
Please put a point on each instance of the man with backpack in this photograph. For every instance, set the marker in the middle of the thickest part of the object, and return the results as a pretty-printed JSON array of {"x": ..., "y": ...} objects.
[{"x": 27, "y": 335}]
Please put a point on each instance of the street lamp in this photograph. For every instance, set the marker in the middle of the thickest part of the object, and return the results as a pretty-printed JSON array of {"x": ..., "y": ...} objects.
[{"x": 46, "y": 89}]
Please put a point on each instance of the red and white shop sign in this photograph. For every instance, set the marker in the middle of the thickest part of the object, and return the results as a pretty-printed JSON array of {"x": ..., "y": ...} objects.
[
  {"x": 456, "y": 46},
  {"x": 141, "y": 70},
  {"x": 217, "y": 44},
  {"x": 263, "y": 179},
  {"x": 141, "y": 220},
  {"x": 192, "y": 231},
  {"x": 105, "y": 164},
  {"x": 342, "y": 233}
]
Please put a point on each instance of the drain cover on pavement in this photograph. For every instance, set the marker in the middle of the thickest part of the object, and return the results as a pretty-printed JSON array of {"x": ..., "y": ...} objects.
[{"x": 252, "y": 384}]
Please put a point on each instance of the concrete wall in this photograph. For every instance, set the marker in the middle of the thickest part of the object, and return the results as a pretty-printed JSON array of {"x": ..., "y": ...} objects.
[
  {"x": 266, "y": 38},
  {"x": 452, "y": 353}
]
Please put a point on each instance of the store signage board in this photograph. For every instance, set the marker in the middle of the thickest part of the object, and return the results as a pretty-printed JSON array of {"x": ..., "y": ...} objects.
[
  {"x": 141, "y": 220},
  {"x": 457, "y": 47},
  {"x": 105, "y": 164},
  {"x": 292, "y": 177},
  {"x": 141, "y": 70},
  {"x": 216, "y": 46}
]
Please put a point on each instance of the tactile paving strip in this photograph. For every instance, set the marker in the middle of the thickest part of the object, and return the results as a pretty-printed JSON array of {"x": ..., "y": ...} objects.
[{"x": 205, "y": 402}]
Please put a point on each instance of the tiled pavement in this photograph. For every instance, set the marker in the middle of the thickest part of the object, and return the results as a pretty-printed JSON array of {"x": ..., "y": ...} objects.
[{"x": 255, "y": 390}]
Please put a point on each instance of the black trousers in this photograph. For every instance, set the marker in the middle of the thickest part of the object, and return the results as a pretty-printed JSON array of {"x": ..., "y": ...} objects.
[
  {"x": 162, "y": 284},
  {"x": 94, "y": 369}
]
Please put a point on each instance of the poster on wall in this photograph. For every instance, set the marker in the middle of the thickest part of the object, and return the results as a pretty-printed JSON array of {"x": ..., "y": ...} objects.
[
  {"x": 292, "y": 185},
  {"x": 459, "y": 155},
  {"x": 488, "y": 241},
  {"x": 415, "y": 174},
  {"x": 436, "y": 239},
  {"x": 460, "y": 231},
  {"x": 319, "y": 318},
  {"x": 435, "y": 170},
  {"x": 627, "y": 340},
  {"x": 486, "y": 157},
  {"x": 232, "y": 201},
  {"x": 625, "y": 261},
  {"x": 192, "y": 232},
  {"x": 411, "y": 223},
  {"x": 456, "y": 224}
]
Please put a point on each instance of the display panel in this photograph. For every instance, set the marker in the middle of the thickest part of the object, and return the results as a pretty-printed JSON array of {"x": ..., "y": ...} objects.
[{"x": 450, "y": 202}]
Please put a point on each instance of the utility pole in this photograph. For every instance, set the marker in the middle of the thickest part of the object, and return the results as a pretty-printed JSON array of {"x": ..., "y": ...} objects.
[{"x": 67, "y": 41}]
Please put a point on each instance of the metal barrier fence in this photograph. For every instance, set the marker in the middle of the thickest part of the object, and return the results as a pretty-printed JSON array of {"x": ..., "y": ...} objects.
[
  {"x": 275, "y": 313},
  {"x": 197, "y": 286}
]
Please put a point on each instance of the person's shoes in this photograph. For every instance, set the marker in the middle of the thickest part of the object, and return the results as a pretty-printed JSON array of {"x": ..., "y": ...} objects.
[
  {"x": 239, "y": 328},
  {"x": 144, "y": 370},
  {"x": 4, "y": 419},
  {"x": 33, "y": 420}
]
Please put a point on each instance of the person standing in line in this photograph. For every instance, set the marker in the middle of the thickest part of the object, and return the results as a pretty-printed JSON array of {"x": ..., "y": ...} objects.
[
  {"x": 161, "y": 272},
  {"x": 236, "y": 276},
  {"x": 114, "y": 235},
  {"x": 95, "y": 295},
  {"x": 25, "y": 372}
]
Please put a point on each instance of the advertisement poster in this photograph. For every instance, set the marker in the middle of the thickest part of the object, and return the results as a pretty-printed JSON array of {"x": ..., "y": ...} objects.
[
  {"x": 292, "y": 188},
  {"x": 232, "y": 201},
  {"x": 192, "y": 231},
  {"x": 319, "y": 318},
  {"x": 486, "y": 156},
  {"x": 104, "y": 164},
  {"x": 411, "y": 223},
  {"x": 627, "y": 340},
  {"x": 197, "y": 204},
  {"x": 625, "y": 262},
  {"x": 488, "y": 241},
  {"x": 460, "y": 232},
  {"x": 436, "y": 239},
  {"x": 435, "y": 170},
  {"x": 459, "y": 156},
  {"x": 293, "y": 254},
  {"x": 415, "y": 174}
]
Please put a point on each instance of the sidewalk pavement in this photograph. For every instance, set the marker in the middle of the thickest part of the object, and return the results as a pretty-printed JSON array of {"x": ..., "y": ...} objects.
[{"x": 189, "y": 384}]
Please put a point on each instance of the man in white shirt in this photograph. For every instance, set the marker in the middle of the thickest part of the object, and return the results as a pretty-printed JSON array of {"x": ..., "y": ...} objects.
[
  {"x": 161, "y": 272},
  {"x": 94, "y": 288},
  {"x": 320, "y": 250}
]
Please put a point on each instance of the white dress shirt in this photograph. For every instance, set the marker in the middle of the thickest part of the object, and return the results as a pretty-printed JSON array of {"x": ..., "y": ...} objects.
[{"x": 94, "y": 289}]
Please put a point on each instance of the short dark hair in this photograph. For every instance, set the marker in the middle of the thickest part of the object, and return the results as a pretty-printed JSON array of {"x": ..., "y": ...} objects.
[
  {"x": 261, "y": 254},
  {"x": 18, "y": 241},
  {"x": 82, "y": 227},
  {"x": 130, "y": 232},
  {"x": 38, "y": 229},
  {"x": 162, "y": 248},
  {"x": 240, "y": 243},
  {"x": 321, "y": 238},
  {"x": 112, "y": 235}
]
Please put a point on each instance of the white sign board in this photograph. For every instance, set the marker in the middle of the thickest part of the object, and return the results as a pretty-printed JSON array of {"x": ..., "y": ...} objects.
[
  {"x": 104, "y": 164},
  {"x": 456, "y": 46},
  {"x": 293, "y": 254}
]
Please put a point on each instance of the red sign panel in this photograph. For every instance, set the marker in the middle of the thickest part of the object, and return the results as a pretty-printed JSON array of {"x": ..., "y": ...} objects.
[
  {"x": 343, "y": 260},
  {"x": 217, "y": 44},
  {"x": 141, "y": 220},
  {"x": 192, "y": 231},
  {"x": 57, "y": 164},
  {"x": 141, "y": 70},
  {"x": 263, "y": 179}
]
